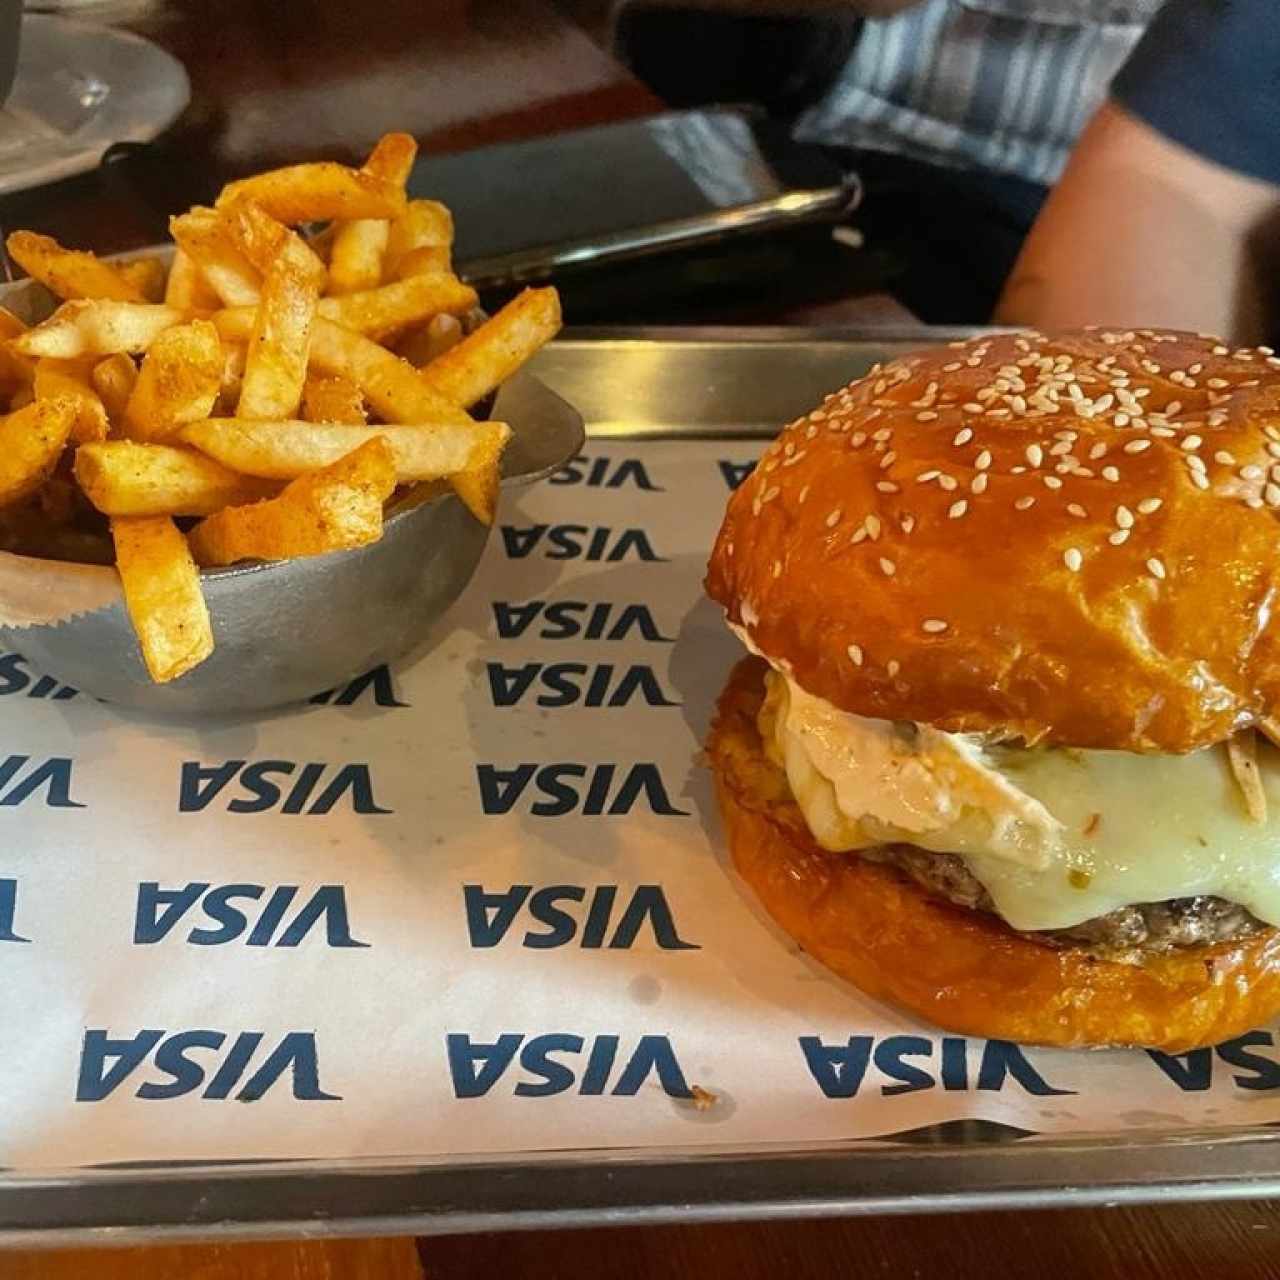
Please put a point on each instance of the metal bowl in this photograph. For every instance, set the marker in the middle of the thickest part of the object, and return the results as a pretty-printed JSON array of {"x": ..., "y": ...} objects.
[{"x": 285, "y": 631}]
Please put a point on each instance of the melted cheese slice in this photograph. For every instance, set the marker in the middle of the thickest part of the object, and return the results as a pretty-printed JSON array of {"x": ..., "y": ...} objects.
[{"x": 1056, "y": 836}]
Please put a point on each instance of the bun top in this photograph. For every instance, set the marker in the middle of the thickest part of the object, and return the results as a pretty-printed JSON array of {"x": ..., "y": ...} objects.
[{"x": 1069, "y": 539}]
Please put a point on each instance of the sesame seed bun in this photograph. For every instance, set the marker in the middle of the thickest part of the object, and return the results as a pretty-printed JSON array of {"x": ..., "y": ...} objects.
[
  {"x": 964, "y": 970},
  {"x": 1070, "y": 540}
]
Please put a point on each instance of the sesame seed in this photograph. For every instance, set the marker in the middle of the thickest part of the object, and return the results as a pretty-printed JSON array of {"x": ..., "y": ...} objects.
[
  {"x": 1118, "y": 538},
  {"x": 926, "y": 415},
  {"x": 925, "y": 476},
  {"x": 883, "y": 434},
  {"x": 1273, "y": 448},
  {"x": 803, "y": 494},
  {"x": 948, "y": 483},
  {"x": 1075, "y": 509},
  {"x": 1196, "y": 463},
  {"x": 1124, "y": 517},
  {"x": 983, "y": 460},
  {"x": 834, "y": 518},
  {"x": 886, "y": 486},
  {"x": 1165, "y": 433},
  {"x": 1253, "y": 501},
  {"x": 933, "y": 626},
  {"x": 872, "y": 526},
  {"x": 1121, "y": 420},
  {"x": 857, "y": 440},
  {"x": 1072, "y": 558},
  {"x": 1251, "y": 472},
  {"x": 1023, "y": 503},
  {"x": 1199, "y": 479},
  {"x": 1271, "y": 495},
  {"x": 888, "y": 460},
  {"x": 892, "y": 668},
  {"x": 777, "y": 568},
  {"x": 1272, "y": 433},
  {"x": 908, "y": 523},
  {"x": 979, "y": 484},
  {"x": 963, "y": 436},
  {"x": 859, "y": 535},
  {"x": 1220, "y": 350},
  {"x": 855, "y": 653},
  {"x": 1035, "y": 454},
  {"x": 1149, "y": 505},
  {"x": 1111, "y": 474},
  {"x": 1156, "y": 567},
  {"x": 1052, "y": 482},
  {"x": 887, "y": 567},
  {"x": 1217, "y": 383},
  {"x": 957, "y": 509},
  {"x": 1137, "y": 446},
  {"x": 1019, "y": 404},
  {"x": 1062, "y": 447},
  {"x": 1191, "y": 443},
  {"x": 1225, "y": 458},
  {"x": 952, "y": 367},
  {"x": 1099, "y": 450},
  {"x": 1173, "y": 407}
]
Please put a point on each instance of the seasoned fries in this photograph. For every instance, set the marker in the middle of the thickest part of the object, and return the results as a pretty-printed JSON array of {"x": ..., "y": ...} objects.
[
  {"x": 329, "y": 397},
  {"x": 206, "y": 239},
  {"x": 70, "y": 378},
  {"x": 331, "y": 510},
  {"x": 420, "y": 239},
  {"x": 286, "y": 450},
  {"x": 121, "y": 478},
  {"x": 381, "y": 313},
  {"x": 31, "y": 442},
  {"x": 114, "y": 378},
  {"x": 356, "y": 253},
  {"x": 318, "y": 192},
  {"x": 70, "y": 273},
  {"x": 251, "y": 385},
  {"x": 97, "y": 328},
  {"x": 178, "y": 382},
  {"x": 162, "y": 594},
  {"x": 485, "y": 359},
  {"x": 276, "y": 365}
]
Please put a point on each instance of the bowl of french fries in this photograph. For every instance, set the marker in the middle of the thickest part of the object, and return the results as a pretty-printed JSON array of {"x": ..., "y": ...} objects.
[{"x": 242, "y": 468}]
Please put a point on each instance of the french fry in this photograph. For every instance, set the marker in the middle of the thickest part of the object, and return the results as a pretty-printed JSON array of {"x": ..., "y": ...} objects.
[
  {"x": 122, "y": 478},
  {"x": 178, "y": 382},
  {"x": 328, "y": 397},
  {"x": 97, "y": 328},
  {"x": 424, "y": 344},
  {"x": 286, "y": 450},
  {"x": 235, "y": 356},
  {"x": 276, "y": 364},
  {"x": 147, "y": 274},
  {"x": 204, "y": 236},
  {"x": 379, "y": 313},
  {"x": 114, "y": 378},
  {"x": 479, "y": 483},
  {"x": 317, "y": 193},
  {"x": 187, "y": 288},
  {"x": 56, "y": 379},
  {"x": 355, "y": 257},
  {"x": 15, "y": 369},
  {"x": 392, "y": 386},
  {"x": 330, "y": 510},
  {"x": 31, "y": 442},
  {"x": 70, "y": 273},
  {"x": 162, "y": 594},
  {"x": 486, "y": 358},
  {"x": 419, "y": 240}
]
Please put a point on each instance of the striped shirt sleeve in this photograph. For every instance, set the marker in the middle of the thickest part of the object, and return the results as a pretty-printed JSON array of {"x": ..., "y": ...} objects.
[{"x": 1207, "y": 76}]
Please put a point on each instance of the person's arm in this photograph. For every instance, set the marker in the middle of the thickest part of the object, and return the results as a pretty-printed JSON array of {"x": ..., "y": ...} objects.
[
  {"x": 1141, "y": 231},
  {"x": 788, "y": 8}
]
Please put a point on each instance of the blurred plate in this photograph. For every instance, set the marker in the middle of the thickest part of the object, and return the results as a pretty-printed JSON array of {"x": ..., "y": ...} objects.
[{"x": 80, "y": 88}]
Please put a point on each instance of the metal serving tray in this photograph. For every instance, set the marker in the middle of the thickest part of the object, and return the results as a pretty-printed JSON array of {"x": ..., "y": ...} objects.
[{"x": 718, "y": 383}]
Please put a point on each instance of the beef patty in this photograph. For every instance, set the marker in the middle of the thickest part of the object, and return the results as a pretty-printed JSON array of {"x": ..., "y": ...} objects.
[{"x": 1143, "y": 927}]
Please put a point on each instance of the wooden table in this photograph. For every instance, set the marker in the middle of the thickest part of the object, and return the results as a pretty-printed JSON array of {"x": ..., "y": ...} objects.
[{"x": 275, "y": 82}]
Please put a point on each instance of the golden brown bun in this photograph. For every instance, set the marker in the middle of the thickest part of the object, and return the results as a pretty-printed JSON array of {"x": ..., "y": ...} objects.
[
  {"x": 963, "y": 603},
  {"x": 963, "y": 970}
]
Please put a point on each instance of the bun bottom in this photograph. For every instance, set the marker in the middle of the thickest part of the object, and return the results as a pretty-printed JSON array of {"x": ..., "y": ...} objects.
[{"x": 964, "y": 970}]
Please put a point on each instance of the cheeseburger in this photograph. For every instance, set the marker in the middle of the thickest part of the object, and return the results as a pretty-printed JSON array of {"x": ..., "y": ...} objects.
[{"x": 1002, "y": 753}]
